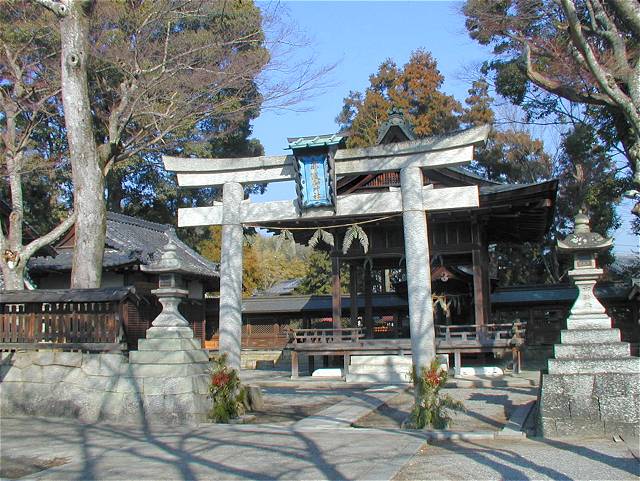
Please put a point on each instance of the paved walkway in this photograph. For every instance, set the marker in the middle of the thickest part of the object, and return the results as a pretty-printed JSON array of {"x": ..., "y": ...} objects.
[
  {"x": 528, "y": 459},
  {"x": 274, "y": 452}
]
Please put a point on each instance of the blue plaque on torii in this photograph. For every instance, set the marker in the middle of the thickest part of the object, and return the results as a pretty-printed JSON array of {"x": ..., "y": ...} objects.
[
  {"x": 315, "y": 180},
  {"x": 314, "y": 167}
]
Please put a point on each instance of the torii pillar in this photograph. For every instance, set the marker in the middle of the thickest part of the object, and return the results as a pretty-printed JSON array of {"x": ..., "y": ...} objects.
[
  {"x": 231, "y": 280},
  {"x": 416, "y": 251}
]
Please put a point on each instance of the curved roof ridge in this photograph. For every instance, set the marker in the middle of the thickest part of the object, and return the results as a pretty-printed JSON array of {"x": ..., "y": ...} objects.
[{"x": 127, "y": 219}]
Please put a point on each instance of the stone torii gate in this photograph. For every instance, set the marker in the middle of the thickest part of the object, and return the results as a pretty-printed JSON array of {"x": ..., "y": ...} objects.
[{"x": 412, "y": 200}]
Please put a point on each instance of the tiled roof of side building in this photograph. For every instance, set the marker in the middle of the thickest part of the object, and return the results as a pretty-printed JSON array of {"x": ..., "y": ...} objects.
[{"x": 130, "y": 240}]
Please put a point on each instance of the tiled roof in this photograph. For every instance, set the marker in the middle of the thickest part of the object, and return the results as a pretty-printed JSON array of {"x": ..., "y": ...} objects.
[
  {"x": 130, "y": 240},
  {"x": 314, "y": 141}
]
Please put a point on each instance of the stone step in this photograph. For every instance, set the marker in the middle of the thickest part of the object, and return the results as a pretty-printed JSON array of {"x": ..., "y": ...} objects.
[
  {"x": 601, "y": 350},
  {"x": 381, "y": 360},
  {"x": 378, "y": 378},
  {"x": 383, "y": 370},
  {"x": 589, "y": 336},
  {"x": 590, "y": 351},
  {"x": 168, "y": 344},
  {"x": 169, "y": 357},
  {"x": 591, "y": 366}
]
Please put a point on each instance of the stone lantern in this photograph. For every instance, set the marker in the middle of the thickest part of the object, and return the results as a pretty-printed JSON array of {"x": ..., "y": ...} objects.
[
  {"x": 591, "y": 384},
  {"x": 587, "y": 312},
  {"x": 170, "y": 290}
]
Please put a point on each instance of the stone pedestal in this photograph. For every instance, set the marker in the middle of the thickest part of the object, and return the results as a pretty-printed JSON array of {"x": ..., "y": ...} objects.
[
  {"x": 592, "y": 387},
  {"x": 173, "y": 372}
]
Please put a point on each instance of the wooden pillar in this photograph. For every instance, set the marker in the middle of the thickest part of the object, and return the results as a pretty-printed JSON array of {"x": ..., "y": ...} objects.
[
  {"x": 368, "y": 305},
  {"x": 353, "y": 293},
  {"x": 336, "y": 297},
  {"x": 481, "y": 283},
  {"x": 294, "y": 364}
]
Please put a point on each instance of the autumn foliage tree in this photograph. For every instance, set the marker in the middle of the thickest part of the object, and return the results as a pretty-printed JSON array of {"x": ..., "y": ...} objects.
[{"x": 414, "y": 89}]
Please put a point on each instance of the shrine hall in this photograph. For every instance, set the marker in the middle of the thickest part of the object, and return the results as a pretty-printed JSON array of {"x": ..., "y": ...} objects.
[{"x": 430, "y": 283}]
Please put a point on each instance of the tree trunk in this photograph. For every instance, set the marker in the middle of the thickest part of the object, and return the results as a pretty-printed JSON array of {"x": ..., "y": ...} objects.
[
  {"x": 13, "y": 279},
  {"x": 88, "y": 179}
]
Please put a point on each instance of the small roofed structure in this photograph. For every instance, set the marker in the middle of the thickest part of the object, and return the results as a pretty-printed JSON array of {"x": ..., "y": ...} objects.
[{"x": 130, "y": 243}]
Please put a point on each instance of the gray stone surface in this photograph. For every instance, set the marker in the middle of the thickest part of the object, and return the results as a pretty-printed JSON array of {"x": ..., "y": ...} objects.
[
  {"x": 169, "y": 333},
  {"x": 152, "y": 387},
  {"x": 231, "y": 275},
  {"x": 602, "y": 365},
  {"x": 601, "y": 350},
  {"x": 109, "y": 452},
  {"x": 416, "y": 248},
  {"x": 581, "y": 336},
  {"x": 539, "y": 459}
]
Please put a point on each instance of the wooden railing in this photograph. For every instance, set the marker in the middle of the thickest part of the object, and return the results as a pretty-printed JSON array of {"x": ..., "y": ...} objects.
[
  {"x": 326, "y": 336},
  {"x": 75, "y": 329},
  {"x": 484, "y": 334}
]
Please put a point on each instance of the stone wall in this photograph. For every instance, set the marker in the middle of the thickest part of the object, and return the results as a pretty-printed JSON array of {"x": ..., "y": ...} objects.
[
  {"x": 103, "y": 387},
  {"x": 590, "y": 405}
]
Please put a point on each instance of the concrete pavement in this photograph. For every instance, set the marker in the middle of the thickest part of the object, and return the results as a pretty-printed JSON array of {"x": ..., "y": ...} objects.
[{"x": 220, "y": 452}]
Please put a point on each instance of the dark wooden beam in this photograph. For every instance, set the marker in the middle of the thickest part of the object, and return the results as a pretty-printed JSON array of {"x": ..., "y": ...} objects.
[
  {"x": 336, "y": 297},
  {"x": 353, "y": 292}
]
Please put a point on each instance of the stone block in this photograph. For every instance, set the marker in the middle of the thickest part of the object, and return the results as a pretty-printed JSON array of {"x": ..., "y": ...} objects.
[
  {"x": 623, "y": 409},
  {"x": 101, "y": 384},
  {"x": 169, "y": 357},
  {"x": 587, "y": 336},
  {"x": 547, "y": 427},
  {"x": 9, "y": 373},
  {"x": 22, "y": 359},
  {"x": 33, "y": 373},
  {"x": 579, "y": 427},
  {"x": 56, "y": 374},
  {"x": 132, "y": 406},
  {"x": 43, "y": 358},
  {"x": 112, "y": 362},
  {"x": 110, "y": 406},
  {"x": 554, "y": 405},
  {"x": 172, "y": 409},
  {"x": 201, "y": 383},
  {"x": 167, "y": 385},
  {"x": 127, "y": 385},
  {"x": 168, "y": 344},
  {"x": 616, "y": 384},
  {"x": 602, "y": 350},
  {"x": 630, "y": 432},
  {"x": 11, "y": 398},
  {"x": 585, "y": 408},
  {"x": 169, "y": 333},
  {"x": 103, "y": 364},
  {"x": 70, "y": 359},
  {"x": 577, "y": 385},
  {"x": 172, "y": 370},
  {"x": 589, "y": 321},
  {"x": 593, "y": 366}
]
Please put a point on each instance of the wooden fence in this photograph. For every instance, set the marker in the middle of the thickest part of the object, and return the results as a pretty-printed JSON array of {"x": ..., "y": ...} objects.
[
  {"x": 83, "y": 319},
  {"x": 84, "y": 325},
  {"x": 257, "y": 336}
]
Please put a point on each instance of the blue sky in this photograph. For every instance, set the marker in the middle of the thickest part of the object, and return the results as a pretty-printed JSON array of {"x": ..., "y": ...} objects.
[{"x": 358, "y": 36}]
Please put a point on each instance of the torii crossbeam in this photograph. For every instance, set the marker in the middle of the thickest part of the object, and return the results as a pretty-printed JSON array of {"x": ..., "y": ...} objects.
[{"x": 412, "y": 200}]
